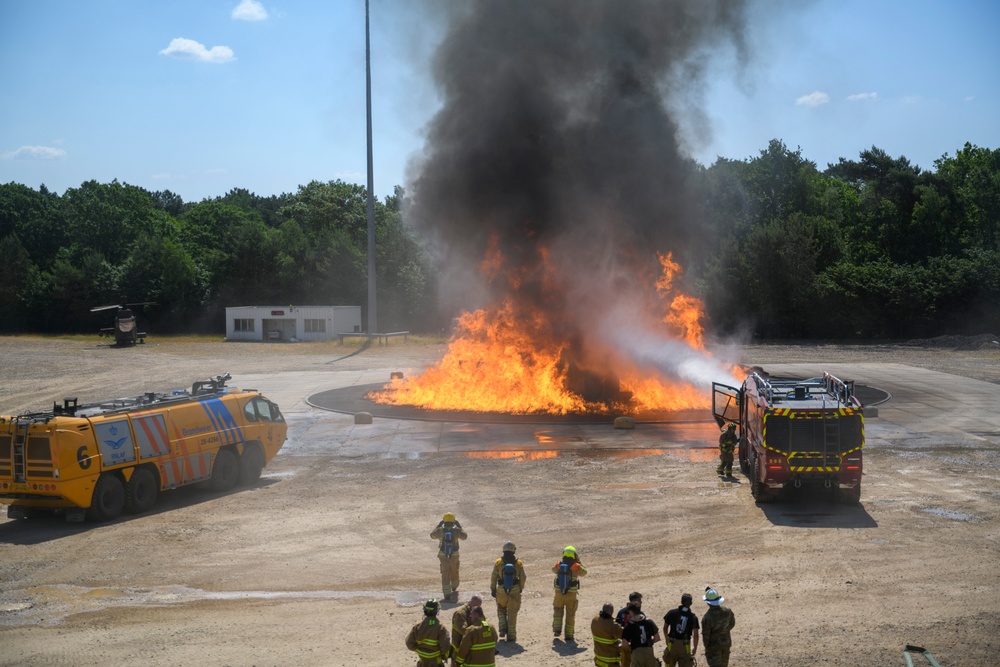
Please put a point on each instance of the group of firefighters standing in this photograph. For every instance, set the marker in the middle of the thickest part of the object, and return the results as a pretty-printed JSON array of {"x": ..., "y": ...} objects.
[
  {"x": 622, "y": 640},
  {"x": 627, "y": 638}
]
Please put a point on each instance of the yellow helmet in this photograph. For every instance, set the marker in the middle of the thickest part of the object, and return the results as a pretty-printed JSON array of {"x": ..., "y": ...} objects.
[
  {"x": 449, "y": 517},
  {"x": 569, "y": 552}
]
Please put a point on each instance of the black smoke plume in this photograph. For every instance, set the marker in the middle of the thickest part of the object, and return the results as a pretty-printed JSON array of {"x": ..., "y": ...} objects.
[{"x": 559, "y": 130}]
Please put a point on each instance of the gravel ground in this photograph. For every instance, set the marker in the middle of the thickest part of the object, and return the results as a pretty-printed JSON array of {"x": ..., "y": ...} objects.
[{"x": 327, "y": 559}]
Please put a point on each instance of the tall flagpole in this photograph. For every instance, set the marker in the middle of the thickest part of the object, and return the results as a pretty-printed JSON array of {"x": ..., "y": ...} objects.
[{"x": 372, "y": 315}]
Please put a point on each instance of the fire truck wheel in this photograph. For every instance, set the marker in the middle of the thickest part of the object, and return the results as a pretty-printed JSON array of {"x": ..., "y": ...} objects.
[
  {"x": 251, "y": 464},
  {"x": 756, "y": 487},
  {"x": 141, "y": 491},
  {"x": 109, "y": 498},
  {"x": 849, "y": 496},
  {"x": 224, "y": 471},
  {"x": 744, "y": 461}
]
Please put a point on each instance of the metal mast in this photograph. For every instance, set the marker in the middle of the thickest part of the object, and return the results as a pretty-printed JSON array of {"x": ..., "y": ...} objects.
[{"x": 372, "y": 314}]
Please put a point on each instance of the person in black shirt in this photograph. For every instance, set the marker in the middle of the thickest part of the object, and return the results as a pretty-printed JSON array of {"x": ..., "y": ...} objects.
[
  {"x": 641, "y": 633},
  {"x": 622, "y": 619},
  {"x": 681, "y": 627},
  {"x": 633, "y": 598}
]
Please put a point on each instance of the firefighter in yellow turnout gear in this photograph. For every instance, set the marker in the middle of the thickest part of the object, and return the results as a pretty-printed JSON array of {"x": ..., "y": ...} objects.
[
  {"x": 568, "y": 571},
  {"x": 506, "y": 585},
  {"x": 727, "y": 443},
  {"x": 448, "y": 532},
  {"x": 429, "y": 638},
  {"x": 607, "y": 638},
  {"x": 479, "y": 644},
  {"x": 461, "y": 620}
]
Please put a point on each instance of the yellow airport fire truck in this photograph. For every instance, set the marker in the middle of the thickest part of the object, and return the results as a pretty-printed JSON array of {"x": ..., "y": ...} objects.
[
  {"x": 795, "y": 433},
  {"x": 95, "y": 461}
]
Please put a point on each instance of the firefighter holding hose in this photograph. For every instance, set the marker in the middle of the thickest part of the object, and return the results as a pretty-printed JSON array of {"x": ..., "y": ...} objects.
[
  {"x": 448, "y": 532},
  {"x": 727, "y": 443}
]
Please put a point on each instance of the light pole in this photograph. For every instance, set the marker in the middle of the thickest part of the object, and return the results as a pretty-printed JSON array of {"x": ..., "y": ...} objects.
[{"x": 372, "y": 315}]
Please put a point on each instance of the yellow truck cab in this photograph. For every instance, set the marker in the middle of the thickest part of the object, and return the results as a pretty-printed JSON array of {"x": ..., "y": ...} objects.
[{"x": 101, "y": 459}]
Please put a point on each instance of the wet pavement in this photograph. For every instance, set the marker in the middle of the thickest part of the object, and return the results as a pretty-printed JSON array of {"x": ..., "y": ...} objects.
[
  {"x": 918, "y": 406},
  {"x": 50, "y": 604}
]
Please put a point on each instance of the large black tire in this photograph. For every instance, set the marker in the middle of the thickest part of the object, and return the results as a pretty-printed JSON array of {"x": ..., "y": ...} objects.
[
  {"x": 251, "y": 464},
  {"x": 849, "y": 496},
  {"x": 141, "y": 490},
  {"x": 109, "y": 498},
  {"x": 743, "y": 452},
  {"x": 225, "y": 471},
  {"x": 757, "y": 489}
]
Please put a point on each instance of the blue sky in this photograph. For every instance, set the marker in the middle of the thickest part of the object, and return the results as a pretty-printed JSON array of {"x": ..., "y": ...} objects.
[{"x": 202, "y": 96}]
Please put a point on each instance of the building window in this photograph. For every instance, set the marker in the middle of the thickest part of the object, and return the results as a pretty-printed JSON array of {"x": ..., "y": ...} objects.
[
  {"x": 315, "y": 326},
  {"x": 242, "y": 325}
]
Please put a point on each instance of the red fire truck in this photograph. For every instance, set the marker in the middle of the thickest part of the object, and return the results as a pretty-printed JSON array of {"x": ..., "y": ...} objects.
[{"x": 795, "y": 433}]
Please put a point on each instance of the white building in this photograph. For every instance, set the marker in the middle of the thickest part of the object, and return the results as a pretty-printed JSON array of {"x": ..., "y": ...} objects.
[{"x": 291, "y": 322}]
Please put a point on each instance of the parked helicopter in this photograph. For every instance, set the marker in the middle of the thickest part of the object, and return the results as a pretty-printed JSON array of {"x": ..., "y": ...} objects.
[{"x": 125, "y": 330}]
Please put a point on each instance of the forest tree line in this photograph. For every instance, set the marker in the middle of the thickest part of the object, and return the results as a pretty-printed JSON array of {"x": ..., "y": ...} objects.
[{"x": 869, "y": 248}]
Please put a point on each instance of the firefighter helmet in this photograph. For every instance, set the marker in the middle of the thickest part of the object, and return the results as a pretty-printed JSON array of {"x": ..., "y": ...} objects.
[
  {"x": 509, "y": 546},
  {"x": 569, "y": 552},
  {"x": 431, "y": 607},
  {"x": 449, "y": 517},
  {"x": 731, "y": 426},
  {"x": 712, "y": 597}
]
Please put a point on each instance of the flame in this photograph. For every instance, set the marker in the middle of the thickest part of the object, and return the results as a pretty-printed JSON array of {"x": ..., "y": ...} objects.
[
  {"x": 685, "y": 312},
  {"x": 501, "y": 359},
  {"x": 508, "y": 358}
]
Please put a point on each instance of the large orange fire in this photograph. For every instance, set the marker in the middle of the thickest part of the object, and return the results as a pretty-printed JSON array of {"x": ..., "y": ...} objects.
[{"x": 508, "y": 358}]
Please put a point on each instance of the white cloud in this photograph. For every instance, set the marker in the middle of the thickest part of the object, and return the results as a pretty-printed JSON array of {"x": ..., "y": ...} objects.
[
  {"x": 969, "y": 98},
  {"x": 191, "y": 50},
  {"x": 860, "y": 97},
  {"x": 912, "y": 99},
  {"x": 813, "y": 99},
  {"x": 249, "y": 10},
  {"x": 35, "y": 153}
]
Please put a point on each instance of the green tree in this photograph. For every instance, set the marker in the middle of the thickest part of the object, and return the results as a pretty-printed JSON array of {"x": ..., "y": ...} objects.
[
  {"x": 161, "y": 271},
  {"x": 230, "y": 248},
  {"x": 17, "y": 266},
  {"x": 108, "y": 218},
  {"x": 974, "y": 174},
  {"x": 36, "y": 218},
  {"x": 404, "y": 277}
]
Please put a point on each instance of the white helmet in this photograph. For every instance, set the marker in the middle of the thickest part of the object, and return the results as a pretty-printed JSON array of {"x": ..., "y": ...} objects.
[{"x": 712, "y": 597}]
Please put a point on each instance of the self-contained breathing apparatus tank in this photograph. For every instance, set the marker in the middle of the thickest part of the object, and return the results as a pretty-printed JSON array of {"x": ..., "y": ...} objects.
[
  {"x": 562, "y": 578},
  {"x": 509, "y": 577},
  {"x": 449, "y": 543}
]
